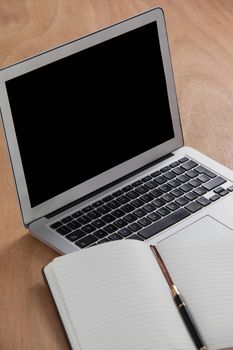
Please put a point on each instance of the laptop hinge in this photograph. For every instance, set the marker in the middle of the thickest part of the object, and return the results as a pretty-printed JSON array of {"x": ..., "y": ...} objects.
[{"x": 104, "y": 188}]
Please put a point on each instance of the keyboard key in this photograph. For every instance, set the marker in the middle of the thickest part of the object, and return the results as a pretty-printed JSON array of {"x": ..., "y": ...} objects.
[
  {"x": 104, "y": 209},
  {"x": 156, "y": 193},
  {"x": 165, "y": 188},
  {"x": 151, "y": 184},
  {"x": 191, "y": 196},
  {"x": 67, "y": 219},
  {"x": 169, "y": 175},
  {"x": 193, "y": 207},
  {"x": 104, "y": 240},
  {"x": 203, "y": 178},
  {"x": 97, "y": 204},
  {"x": 230, "y": 188},
  {"x": 165, "y": 169},
  {"x": 123, "y": 199},
  {"x": 223, "y": 193},
  {"x": 137, "y": 183},
  {"x": 125, "y": 232},
  {"x": 217, "y": 181},
  {"x": 94, "y": 214},
  {"x": 146, "y": 178},
  {"x": 160, "y": 180},
  {"x": 56, "y": 225},
  {"x": 77, "y": 214},
  {"x": 174, "y": 164},
  {"x": 200, "y": 190},
  {"x": 164, "y": 223},
  {"x": 149, "y": 207},
  {"x": 186, "y": 187},
  {"x": 154, "y": 216},
  {"x": 86, "y": 241},
  {"x": 137, "y": 203},
  {"x": 108, "y": 218},
  {"x": 134, "y": 227},
  {"x": 163, "y": 211},
  {"x": 192, "y": 173},
  {"x": 100, "y": 233},
  {"x": 130, "y": 218},
  {"x": 144, "y": 221},
  {"x": 127, "y": 208},
  {"x": 127, "y": 188},
  {"x": 136, "y": 237},
  {"x": 214, "y": 197},
  {"x": 174, "y": 183},
  {"x": 140, "y": 212},
  {"x": 84, "y": 219},
  {"x": 183, "y": 160},
  {"x": 98, "y": 223},
  {"x": 189, "y": 165},
  {"x": 114, "y": 204},
  {"x": 88, "y": 228},
  {"x": 118, "y": 213},
  {"x": 158, "y": 202},
  {"x": 142, "y": 189},
  {"x": 110, "y": 228},
  {"x": 63, "y": 230},
  {"x": 156, "y": 173},
  {"x": 74, "y": 225},
  {"x": 74, "y": 236},
  {"x": 167, "y": 197},
  {"x": 118, "y": 193},
  {"x": 203, "y": 201},
  {"x": 114, "y": 237},
  {"x": 183, "y": 178},
  {"x": 218, "y": 190},
  {"x": 108, "y": 198},
  {"x": 195, "y": 182},
  {"x": 120, "y": 223},
  {"x": 177, "y": 192},
  {"x": 178, "y": 170},
  {"x": 132, "y": 194},
  {"x": 88, "y": 208},
  {"x": 182, "y": 201},
  {"x": 147, "y": 198},
  {"x": 172, "y": 206},
  {"x": 201, "y": 170}
]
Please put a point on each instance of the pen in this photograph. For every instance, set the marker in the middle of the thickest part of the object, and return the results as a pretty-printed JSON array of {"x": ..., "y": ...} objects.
[{"x": 182, "y": 307}]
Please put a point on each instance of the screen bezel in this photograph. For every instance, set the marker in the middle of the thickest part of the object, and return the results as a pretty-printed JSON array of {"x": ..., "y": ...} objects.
[{"x": 30, "y": 214}]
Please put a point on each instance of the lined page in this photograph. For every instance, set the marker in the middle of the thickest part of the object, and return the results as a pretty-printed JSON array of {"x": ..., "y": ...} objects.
[
  {"x": 114, "y": 297},
  {"x": 200, "y": 260}
]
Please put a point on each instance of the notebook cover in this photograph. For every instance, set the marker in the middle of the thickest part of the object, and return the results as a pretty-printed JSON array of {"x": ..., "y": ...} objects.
[{"x": 56, "y": 310}]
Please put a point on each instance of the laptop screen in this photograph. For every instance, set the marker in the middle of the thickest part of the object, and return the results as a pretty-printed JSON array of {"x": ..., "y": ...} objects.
[{"x": 86, "y": 113}]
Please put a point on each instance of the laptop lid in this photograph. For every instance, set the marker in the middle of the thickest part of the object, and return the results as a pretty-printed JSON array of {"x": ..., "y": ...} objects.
[{"x": 89, "y": 112}]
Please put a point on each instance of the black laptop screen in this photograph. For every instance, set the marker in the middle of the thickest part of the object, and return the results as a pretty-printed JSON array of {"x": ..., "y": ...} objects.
[{"x": 86, "y": 113}]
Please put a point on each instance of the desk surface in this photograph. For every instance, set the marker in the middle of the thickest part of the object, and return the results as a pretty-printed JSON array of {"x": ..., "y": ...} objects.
[{"x": 201, "y": 41}]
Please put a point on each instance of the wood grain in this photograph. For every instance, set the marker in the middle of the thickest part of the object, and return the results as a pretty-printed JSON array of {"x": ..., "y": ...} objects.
[{"x": 201, "y": 41}]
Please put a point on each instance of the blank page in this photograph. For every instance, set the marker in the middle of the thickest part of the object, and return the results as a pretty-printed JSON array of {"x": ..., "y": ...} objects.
[
  {"x": 114, "y": 296},
  {"x": 200, "y": 261}
]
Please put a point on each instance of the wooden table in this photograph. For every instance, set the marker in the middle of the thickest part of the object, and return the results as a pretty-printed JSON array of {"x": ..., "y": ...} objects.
[{"x": 201, "y": 41}]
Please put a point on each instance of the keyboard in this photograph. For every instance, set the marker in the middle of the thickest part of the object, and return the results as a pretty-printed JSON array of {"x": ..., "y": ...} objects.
[{"x": 145, "y": 207}]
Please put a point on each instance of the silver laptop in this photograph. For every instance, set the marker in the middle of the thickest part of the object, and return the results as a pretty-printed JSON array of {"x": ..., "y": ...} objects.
[{"x": 95, "y": 141}]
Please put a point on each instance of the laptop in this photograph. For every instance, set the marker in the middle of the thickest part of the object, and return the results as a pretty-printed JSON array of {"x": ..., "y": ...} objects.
[{"x": 96, "y": 146}]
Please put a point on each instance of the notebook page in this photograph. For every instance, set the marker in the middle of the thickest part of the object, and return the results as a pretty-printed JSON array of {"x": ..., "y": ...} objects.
[
  {"x": 200, "y": 261},
  {"x": 115, "y": 297}
]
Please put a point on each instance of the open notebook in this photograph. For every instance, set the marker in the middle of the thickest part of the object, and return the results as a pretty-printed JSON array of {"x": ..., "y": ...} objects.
[{"x": 114, "y": 296}]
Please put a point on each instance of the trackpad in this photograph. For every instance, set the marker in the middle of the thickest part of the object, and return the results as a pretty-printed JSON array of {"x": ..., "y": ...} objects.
[
  {"x": 200, "y": 260},
  {"x": 204, "y": 228}
]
